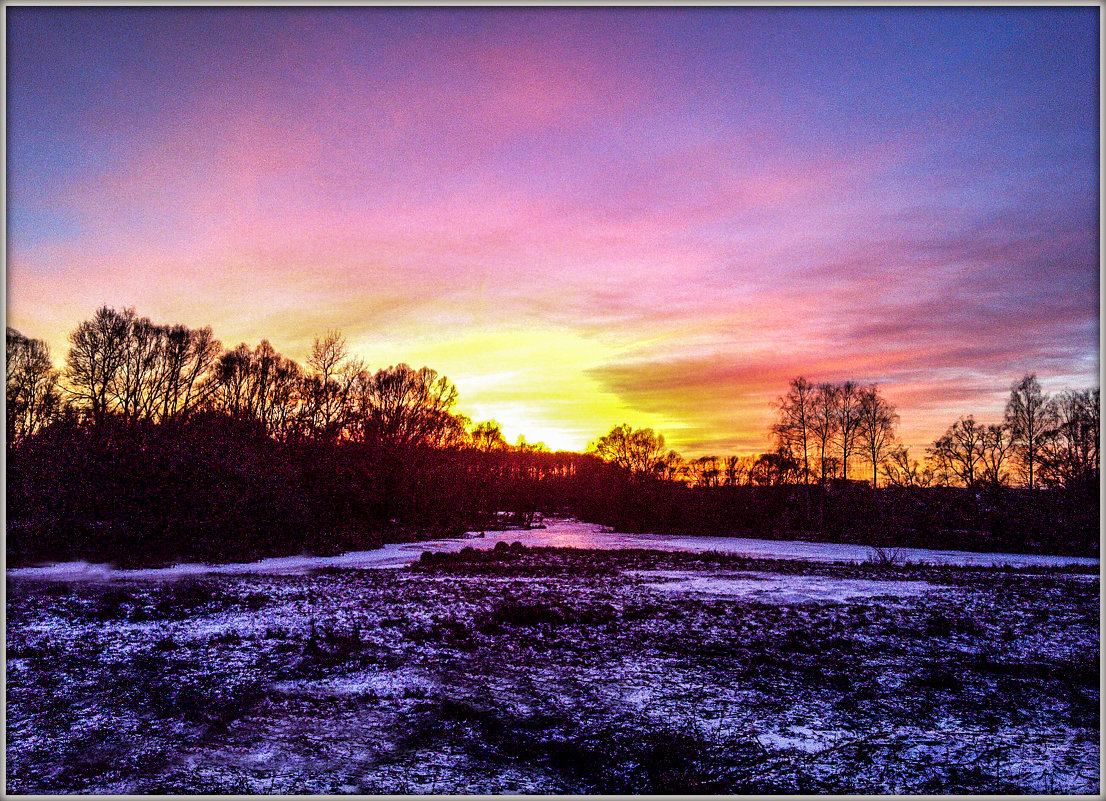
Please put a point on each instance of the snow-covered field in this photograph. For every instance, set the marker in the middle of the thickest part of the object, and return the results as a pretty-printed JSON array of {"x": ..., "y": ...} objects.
[
  {"x": 516, "y": 670},
  {"x": 558, "y": 533}
]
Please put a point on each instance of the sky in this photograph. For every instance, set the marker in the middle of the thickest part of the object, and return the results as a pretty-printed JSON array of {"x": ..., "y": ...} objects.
[{"x": 581, "y": 216}]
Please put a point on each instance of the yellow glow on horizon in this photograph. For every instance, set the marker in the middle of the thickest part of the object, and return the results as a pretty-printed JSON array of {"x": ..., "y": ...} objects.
[{"x": 532, "y": 382}]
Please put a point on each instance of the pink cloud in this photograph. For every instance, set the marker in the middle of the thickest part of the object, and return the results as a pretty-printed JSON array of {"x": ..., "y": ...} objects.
[{"x": 538, "y": 180}]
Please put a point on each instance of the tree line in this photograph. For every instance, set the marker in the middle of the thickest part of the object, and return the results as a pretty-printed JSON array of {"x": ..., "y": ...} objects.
[
  {"x": 127, "y": 368},
  {"x": 1041, "y": 440},
  {"x": 827, "y": 432},
  {"x": 1028, "y": 482},
  {"x": 157, "y": 442}
]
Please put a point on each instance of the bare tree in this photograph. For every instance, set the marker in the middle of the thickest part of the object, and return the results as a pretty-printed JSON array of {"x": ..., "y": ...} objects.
[
  {"x": 328, "y": 386},
  {"x": 284, "y": 384},
  {"x": 773, "y": 469},
  {"x": 824, "y": 425},
  {"x": 188, "y": 357},
  {"x": 96, "y": 353},
  {"x": 259, "y": 384},
  {"x": 32, "y": 396},
  {"x": 706, "y": 471},
  {"x": 960, "y": 450},
  {"x": 996, "y": 447},
  {"x": 673, "y": 467},
  {"x": 640, "y": 451},
  {"x": 137, "y": 385},
  {"x": 488, "y": 436},
  {"x": 1070, "y": 454},
  {"x": 1027, "y": 415},
  {"x": 731, "y": 471},
  {"x": 793, "y": 427},
  {"x": 230, "y": 381},
  {"x": 875, "y": 427},
  {"x": 737, "y": 470},
  {"x": 902, "y": 471},
  {"x": 401, "y": 406},
  {"x": 274, "y": 392},
  {"x": 848, "y": 422}
]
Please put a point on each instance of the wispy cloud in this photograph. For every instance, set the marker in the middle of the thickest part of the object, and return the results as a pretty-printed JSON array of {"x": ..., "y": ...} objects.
[{"x": 675, "y": 212}]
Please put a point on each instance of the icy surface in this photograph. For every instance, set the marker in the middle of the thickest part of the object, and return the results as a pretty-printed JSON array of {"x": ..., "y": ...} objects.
[{"x": 559, "y": 533}]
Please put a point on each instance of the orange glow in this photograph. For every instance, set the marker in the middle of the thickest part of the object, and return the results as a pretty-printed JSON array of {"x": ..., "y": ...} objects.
[{"x": 582, "y": 218}]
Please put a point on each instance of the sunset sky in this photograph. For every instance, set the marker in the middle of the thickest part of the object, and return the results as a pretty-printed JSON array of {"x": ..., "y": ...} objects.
[{"x": 582, "y": 216}]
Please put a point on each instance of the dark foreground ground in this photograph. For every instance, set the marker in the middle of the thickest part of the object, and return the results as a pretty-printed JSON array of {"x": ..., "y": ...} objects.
[{"x": 559, "y": 671}]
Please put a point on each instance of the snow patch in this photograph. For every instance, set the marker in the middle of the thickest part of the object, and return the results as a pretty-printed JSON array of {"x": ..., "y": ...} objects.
[
  {"x": 779, "y": 588},
  {"x": 559, "y": 533},
  {"x": 803, "y": 738}
]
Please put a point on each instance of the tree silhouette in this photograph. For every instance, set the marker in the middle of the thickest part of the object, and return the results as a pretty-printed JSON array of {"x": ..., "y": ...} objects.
[
  {"x": 876, "y": 420},
  {"x": 848, "y": 421},
  {"x": 996, "y": 446},
  {"x": 639, "y": 451},
  {"x": 902, "y": 471},
  {"x": 400, "y": 406},
  {"x": 231, "y": 385},
  {"x": 327, "y": 388},
  {"x": 261, "y": 385},
  {"x": 793, "y": 427},
  {"x": 706, "y": 471},
  {"x": 488, "y": 437},
  {"x": 960, "y": 449},
  {"x": 189, "y": 356},
  {"x": 172, "y": 447},
  {"x": 96, "y": 353},
  {"x": 736, "y": 470},
  {"x": 773, "y": 469},
  {"x": 673, "y": 467},
  {"x": 1070, "y": 454},
  {"x": 1027, "y": 415},
  {"x": 139, "y": 383},
  {"x": 32, "y": 394},
  {"x": 824, "y": 424}
]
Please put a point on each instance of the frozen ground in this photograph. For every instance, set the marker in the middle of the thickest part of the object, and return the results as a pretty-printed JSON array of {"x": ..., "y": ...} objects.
[
  {"x": 556, "y": 671},
  {"x": 559, "y": 533}
]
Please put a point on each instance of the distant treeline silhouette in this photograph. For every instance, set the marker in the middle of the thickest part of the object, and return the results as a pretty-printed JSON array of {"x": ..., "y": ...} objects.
[{"x": 154, "y": 443}]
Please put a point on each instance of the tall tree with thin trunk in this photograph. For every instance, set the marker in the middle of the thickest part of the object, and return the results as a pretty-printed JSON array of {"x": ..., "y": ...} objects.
[
  {"x": 1027, "y": 415},
  {"x": 876, "y": 427},
  {"x": 329, "y": 385},
  {"x": 190, "y": 355},
  {"x": 139, "y": 382},
  {"x": 848, "y": 422},
  {"x": 823, "y": 426},
  {"x": 995, "y": 448},
  {"x": 793, "y": 427}
]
